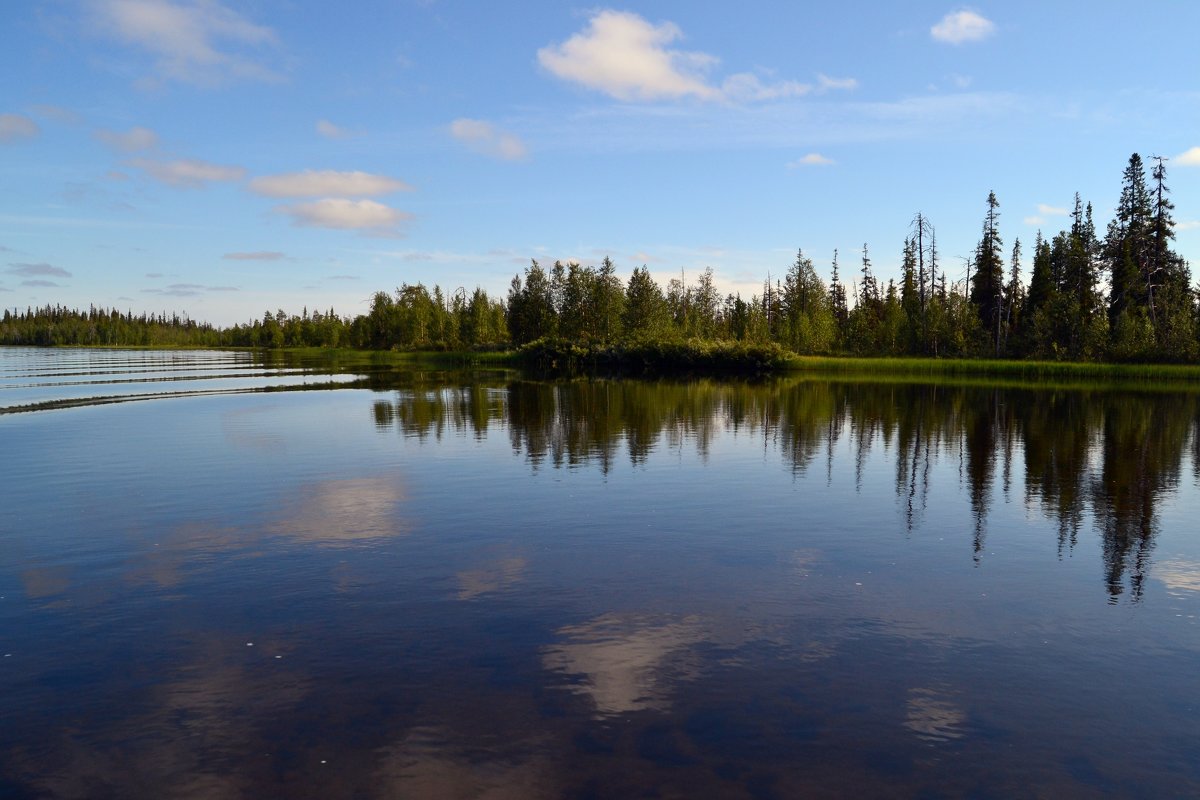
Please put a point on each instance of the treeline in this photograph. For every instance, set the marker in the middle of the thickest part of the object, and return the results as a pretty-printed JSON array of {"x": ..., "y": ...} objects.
[
  {"x": 52, "y": 326},
  {"x": 1123, "y": 296}
]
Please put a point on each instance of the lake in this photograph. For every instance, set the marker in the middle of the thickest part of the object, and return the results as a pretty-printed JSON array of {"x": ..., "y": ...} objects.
[{"x": 233, "y": 575}]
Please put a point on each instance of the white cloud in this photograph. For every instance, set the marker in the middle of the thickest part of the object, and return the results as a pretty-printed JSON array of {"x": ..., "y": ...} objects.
[
  {"x": 327, "y": 183},
  {"x": 1034, "y": 221},
  {"x": 1188, "y": 225},
  {"x": 16, "y": 126},
  {"x": 962, "y": 26},
  {"x": 343, "y": 214},
  {"x": 188, "y": 173},
  {"x": 331, "y": 131},
  {"x": 1052, "y": 211},
  {"x": 130, "y": 141},
  {"x": 622, "y": 55},
  {"x": 811, "y": 160},
  {"x": 485, "y": 138},
  {"x": 260, "y": 255},
  {"x": 1189, "y": 158},
  {"x": 746, "y": 87},
  {"x": 826, "y": 83},
  {"x": 194, "y": 41}
]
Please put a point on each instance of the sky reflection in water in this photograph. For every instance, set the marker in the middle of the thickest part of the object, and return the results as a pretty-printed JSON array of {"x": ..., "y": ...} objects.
[{"x": 480, "y": 586}]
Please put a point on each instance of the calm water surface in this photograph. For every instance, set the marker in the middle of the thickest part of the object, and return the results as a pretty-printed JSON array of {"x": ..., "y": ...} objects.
[{"x": 454, "y": 585}]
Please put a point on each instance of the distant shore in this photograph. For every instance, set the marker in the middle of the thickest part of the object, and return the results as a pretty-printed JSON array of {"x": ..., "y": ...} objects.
[{"x": 707, "y": 358}]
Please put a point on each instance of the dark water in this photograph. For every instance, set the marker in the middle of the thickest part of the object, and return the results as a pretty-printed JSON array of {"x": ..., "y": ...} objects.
[{"x": 473, "y": 585}]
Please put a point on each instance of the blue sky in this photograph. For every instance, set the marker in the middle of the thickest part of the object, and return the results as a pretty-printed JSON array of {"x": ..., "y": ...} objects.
[{"x": 223, "y": 159}]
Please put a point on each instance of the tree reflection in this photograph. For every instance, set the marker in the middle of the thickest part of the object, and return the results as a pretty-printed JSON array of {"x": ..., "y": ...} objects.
[{"x": 1087, "y": 456}]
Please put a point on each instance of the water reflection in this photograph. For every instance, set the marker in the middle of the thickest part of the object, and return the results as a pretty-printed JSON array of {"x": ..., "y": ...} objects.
[
  {"x": 492, "y": 577},
  {"x": 1102, "y": 459},
  {"x": 339, "y": 511},
  {"x": 933, "y": 715},
  {"x": 625, "y": 664},
  {"x": 427, "y": 764},
  {"x": 466, "y": 585},
  {"x": 1180, "y": 576}
]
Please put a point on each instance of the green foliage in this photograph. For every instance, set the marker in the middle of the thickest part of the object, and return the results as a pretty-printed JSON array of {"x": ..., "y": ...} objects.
[{"x": 562, "y": 356}]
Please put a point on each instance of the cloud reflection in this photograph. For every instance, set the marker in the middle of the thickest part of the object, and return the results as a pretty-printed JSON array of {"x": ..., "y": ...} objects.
[
  {"x": 1179, "y": 575},
  {"x": 623, "y": 663},
  {"x": 341, "y": 511},
  {"x": 491, "y": 578},
  {"x": 933, "y": 717},
  {"x": 426, "y": 766}
]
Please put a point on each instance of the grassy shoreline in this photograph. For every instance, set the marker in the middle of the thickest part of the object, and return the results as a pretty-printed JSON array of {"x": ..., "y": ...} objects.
[
  {"x": 996, "y": 368},
  {"x": 723, "y": 358}
]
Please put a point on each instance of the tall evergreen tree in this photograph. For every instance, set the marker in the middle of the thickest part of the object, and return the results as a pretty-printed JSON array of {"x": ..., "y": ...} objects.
[
  {"x": 987, "y": 283},
  {"x": 1014, "y": 295},
  {"x": 1127, "y": 249},
  {"x": 1171, "y": 297},
  {"x": 837, "y": 299}
]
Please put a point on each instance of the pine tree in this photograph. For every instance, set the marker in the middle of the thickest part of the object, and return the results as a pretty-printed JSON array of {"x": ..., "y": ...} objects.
[
  {"x": 911, "y": 300},
  {"x": 837, "y": 299},
  {"x": 1127, "y": 247},
  {"x": 987, "y": 284},
  {"x": 1014, "y": 294},
  {"x": 1171, "y": 297}
]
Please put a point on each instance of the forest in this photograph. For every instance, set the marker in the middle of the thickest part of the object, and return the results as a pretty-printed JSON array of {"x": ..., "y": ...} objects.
[{"x": 1124, "y": 296}]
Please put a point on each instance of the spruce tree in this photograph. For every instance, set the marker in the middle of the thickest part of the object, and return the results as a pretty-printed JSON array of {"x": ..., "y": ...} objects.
[{"x": 987, "y": 284}]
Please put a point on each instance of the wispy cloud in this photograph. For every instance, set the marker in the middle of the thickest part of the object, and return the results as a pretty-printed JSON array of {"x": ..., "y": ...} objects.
[
  {"x": 37, "y": 270},
  {"x": 798, "y": 127},
  {"x": 811, "y": 160},
  {"x": 1044, "y": 211},
  {"x": 14, "y": 127},
  {"x": 330, "y": 131},
  {"x": 327, "y": 183},
  {"x": 961, "y": 26},
  {"x": 365, "y": 216},
  {"x": 188, "y": 290},
  {"x": 188, "y": 173},
  {"x": 1188, "y": 225},
  {"x": 193, "y": 41},
  {"x": 1189, "y": 158},
  {"x": 39, "y": 283},
  {"x": 258, "y": 255},
  {"x": 131, "y": 141},
  {"x": 626, "y": 57},
  {"x": 826, "y": 83},
  {"x": 484, "y": 137}
]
